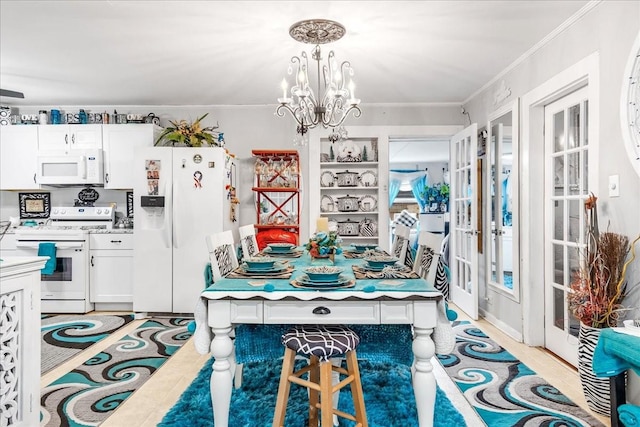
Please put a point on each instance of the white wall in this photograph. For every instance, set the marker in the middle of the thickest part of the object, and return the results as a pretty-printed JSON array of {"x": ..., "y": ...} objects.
[{"x": 609, "y": 29}]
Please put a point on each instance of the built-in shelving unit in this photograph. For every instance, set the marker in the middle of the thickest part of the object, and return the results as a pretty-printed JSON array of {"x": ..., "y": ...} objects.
[{"x": 349, "y": 191}]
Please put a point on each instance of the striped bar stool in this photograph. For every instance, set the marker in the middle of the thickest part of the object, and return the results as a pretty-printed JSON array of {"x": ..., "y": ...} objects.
[{"x": 320, "y": 343}]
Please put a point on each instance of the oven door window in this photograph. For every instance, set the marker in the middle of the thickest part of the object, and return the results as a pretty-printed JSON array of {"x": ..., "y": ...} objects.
[{"x": 62, "y": 273}]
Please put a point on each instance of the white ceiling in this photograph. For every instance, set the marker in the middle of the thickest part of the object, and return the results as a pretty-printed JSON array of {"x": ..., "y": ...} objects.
[{"x": 235, "y": 53}]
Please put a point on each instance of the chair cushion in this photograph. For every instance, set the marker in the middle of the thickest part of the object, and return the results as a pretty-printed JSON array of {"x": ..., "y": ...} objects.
[
  {"x": 323, "y": 341},
  {"x": 405, "y": 218}
]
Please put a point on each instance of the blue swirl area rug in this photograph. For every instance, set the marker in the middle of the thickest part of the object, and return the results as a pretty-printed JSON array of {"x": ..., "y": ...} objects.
[
  {"x": 504, "y": 391},
  {"x": 388, "y": 397},
  {"x": 87, "y": 395},
  {"x": 64, "y": 336}
]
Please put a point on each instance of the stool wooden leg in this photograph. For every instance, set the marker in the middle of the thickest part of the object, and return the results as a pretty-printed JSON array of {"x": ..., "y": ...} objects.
[
  {"x": 283, "y": 388},
  {"x": 326, "y": 396},
  {"x": 314, "y": 377},
  {"x": 356, "y": 388}
]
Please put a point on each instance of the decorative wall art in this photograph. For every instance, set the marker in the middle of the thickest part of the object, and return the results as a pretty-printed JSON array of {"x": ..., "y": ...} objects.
[{"x": 34, "y": 205}]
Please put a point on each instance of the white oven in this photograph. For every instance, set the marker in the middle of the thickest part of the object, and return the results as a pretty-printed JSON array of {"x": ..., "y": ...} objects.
[{"x": 67, "y": 289}]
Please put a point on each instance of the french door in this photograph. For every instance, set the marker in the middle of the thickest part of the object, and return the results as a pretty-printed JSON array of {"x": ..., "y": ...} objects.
[
  {"x": 464, "y": 229},
  {"x": 566, "y": 188}
]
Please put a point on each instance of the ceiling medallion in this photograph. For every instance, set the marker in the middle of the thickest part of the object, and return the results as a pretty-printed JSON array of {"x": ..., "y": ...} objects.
[
  {"x": 334, "y": 97},
  {"x": 317, "y": 31}
]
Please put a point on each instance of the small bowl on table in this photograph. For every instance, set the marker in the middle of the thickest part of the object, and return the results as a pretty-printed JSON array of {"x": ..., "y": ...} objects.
[
  {"x": 281, "y": 248},
  {"x": 259, "y": 262},
  {"x": 323, "y": 273},
  {"x": 378, "y": 262}
]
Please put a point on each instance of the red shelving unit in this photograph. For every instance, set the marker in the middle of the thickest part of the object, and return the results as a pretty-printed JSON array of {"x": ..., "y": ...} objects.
[{"x": 277, "y": 191}]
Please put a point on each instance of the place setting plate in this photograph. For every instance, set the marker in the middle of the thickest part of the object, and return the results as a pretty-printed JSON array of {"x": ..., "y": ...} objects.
[
  {"x": 278, "y": 267},
  {"x": 303, "y": 281},
  {"x": 292, "y": 253}
]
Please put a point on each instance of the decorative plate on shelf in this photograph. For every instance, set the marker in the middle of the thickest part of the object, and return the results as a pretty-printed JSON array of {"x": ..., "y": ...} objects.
[
  {"x": 327, "y": 179},
  {"x": 369, "y": 178},
  {"x": 327, "y": 204},
  {"x": 368, "y": 203}
]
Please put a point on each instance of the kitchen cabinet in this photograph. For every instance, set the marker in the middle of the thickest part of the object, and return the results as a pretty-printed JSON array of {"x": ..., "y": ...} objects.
[
  {"x": 277, "y": 190},
  {"x": 345, "y": 187},
  {"x": 8, "y": 245},
  {"x": 20, "y": 340},
  {"x": 119, "y": 143},
  {"x": 18, "y": 157},
  {"x": 69, "y": 137},
  {"x": 111, "y": 271}
]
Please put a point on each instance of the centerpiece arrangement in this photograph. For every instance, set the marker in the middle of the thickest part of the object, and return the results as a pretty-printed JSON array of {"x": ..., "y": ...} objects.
[
  {"x": 436, "y": 197},
  {"x": 324, "y": 244},
  {"x": 191, "y": 134},
  {"x": 595, "y": 298}
]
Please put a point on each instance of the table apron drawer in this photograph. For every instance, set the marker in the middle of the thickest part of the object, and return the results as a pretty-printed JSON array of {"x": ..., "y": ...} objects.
[{"x": 328, "y": 312}]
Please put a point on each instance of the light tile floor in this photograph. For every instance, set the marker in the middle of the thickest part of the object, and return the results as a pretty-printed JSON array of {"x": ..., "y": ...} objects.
[{"x": 149, "y": 404}]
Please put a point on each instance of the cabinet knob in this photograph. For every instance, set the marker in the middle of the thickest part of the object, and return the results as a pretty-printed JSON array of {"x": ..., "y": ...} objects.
[
  {"x": 91, "y": 260},
  {"x": 321, "y": 310},
  {"x": 116, "y": 241}
]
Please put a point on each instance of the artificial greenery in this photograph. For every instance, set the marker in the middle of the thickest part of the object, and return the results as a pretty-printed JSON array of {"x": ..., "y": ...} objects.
[
  {"x": 191, "y": 134},
  {"x": 324, "y": 243},
  {"x": 437, "y": 193}
]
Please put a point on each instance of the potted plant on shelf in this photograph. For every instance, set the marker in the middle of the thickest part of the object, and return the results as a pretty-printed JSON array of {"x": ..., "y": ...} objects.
[
  {"x": 595, "y": 299},
  {"x": 191, "y": 134},
  {"x": 324, "y": 244}
]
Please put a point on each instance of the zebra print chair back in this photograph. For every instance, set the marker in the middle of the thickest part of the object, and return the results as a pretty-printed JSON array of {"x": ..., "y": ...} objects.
[
  {"x": 427, "y": 263},
  {"x": 400, "y": 246},
  {"x": 248, "y": 240},
  {"x": 222, "y": 254}
]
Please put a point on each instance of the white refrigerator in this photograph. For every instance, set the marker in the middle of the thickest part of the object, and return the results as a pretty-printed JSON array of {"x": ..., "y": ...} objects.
[{"x": 181, "y": 194}]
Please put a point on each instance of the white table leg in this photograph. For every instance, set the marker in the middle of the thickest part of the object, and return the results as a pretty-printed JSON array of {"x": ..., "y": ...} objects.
[
  {"x": 221, "y": 375},
  {"x": 424, "y": 382}
]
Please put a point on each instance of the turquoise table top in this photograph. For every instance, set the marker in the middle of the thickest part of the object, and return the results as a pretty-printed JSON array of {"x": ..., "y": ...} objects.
[{"x": 284, "y": 285}]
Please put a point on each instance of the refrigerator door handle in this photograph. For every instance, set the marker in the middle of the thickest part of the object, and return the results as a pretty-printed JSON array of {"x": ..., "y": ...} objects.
[{"x": 174, "y": 193}]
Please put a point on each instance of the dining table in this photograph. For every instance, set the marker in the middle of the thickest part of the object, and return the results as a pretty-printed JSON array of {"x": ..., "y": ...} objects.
[{"x": 239, "y": 299}]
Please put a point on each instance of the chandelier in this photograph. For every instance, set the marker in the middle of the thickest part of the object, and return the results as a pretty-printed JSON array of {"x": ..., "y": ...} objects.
[{"x": 334, "y": 98}]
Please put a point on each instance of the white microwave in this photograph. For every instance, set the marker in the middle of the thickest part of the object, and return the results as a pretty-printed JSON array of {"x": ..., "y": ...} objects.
[{"x": 72, "y": 167}]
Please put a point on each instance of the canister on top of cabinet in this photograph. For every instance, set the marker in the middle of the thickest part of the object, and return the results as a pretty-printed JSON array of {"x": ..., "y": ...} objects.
[{"x": 42, "y": 117}]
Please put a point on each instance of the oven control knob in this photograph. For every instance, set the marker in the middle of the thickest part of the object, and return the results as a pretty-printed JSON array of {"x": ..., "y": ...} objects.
[
  {"x": 98, "y": 211},
  {"x": 55, "y": 211},
  {"x": 63, "y": 212}
]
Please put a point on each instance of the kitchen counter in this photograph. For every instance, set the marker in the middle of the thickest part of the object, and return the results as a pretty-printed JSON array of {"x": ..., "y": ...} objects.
[{"x": 111, "y": 231}]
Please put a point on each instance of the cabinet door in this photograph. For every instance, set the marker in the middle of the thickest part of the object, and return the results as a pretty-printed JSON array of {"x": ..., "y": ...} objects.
[
  {"x": 54, "y": 138},
  {"x": 120, "y": 142},
  {"x": 86, "y": 137},
  {"x": 69, "y": 137},
  {"x": 18, "y": 157},
  {"x": 111, "y": 276}
]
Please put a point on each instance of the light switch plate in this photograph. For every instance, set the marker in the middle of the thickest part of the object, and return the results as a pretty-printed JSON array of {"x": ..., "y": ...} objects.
[{"x": 614, "y": 185}]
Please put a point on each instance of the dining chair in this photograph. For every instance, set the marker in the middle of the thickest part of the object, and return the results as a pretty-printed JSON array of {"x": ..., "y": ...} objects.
[
  {"x": 248, "y": 240},
  {"x": 400, "y": 247},
  {"x": 427, "y": 263},
  {"x": 222, "y": 254}
]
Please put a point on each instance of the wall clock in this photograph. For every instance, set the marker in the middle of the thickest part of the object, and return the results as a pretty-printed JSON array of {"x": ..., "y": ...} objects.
[{"x": 630, "y": 106}]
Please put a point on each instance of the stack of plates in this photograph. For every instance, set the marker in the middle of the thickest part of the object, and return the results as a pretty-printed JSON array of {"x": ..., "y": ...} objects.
[
  {"x": 304, "y": 280},
  {"x": 277, "y": 268}
]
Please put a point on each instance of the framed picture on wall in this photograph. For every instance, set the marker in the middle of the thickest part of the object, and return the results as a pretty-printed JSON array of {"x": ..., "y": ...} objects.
[{"x": 34, "y": 205}]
